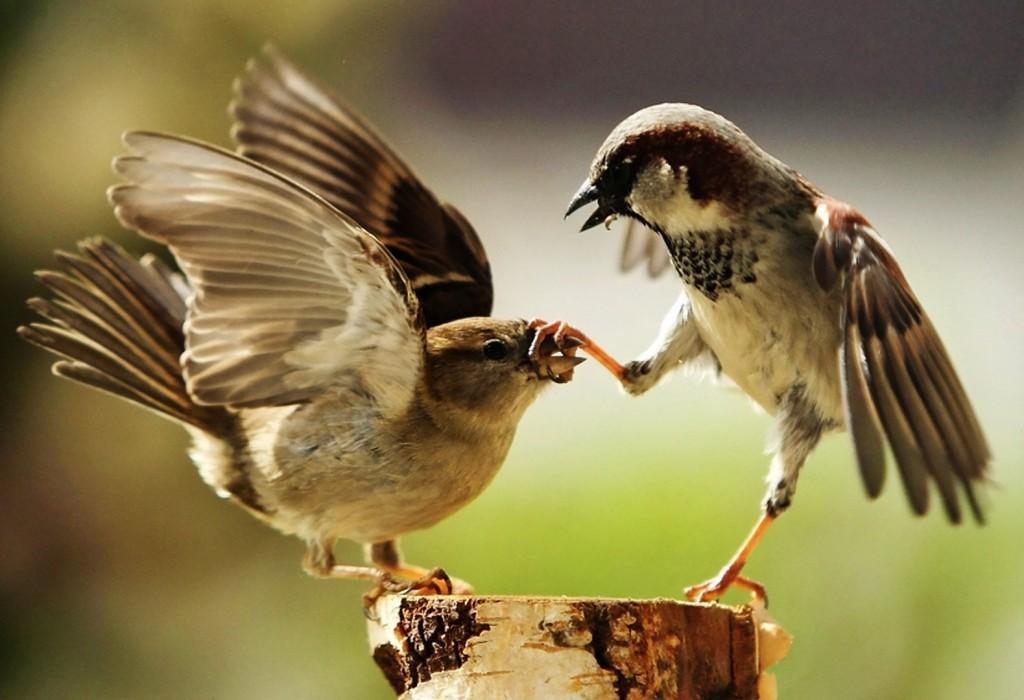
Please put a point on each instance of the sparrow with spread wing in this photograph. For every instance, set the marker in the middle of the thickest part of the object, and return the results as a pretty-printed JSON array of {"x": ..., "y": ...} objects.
[
  {"x": 328, "y": 347},
  {"x": 794, "y": 297}
]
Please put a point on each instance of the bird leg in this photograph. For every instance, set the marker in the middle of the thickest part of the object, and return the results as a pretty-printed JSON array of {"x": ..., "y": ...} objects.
[
  {"x": 678, "y": 342},
  {"x": 388, "y": 574},
  {"x": 564, "y": 333},
  {"x": 319, "y": 562},
  {"x": 713, "y": 589},
  {"x": 799, "y": 428},
  {"x": 418, "y": 580}
]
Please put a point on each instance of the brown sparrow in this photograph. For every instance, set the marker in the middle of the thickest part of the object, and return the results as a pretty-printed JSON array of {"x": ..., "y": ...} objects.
[
  {"x": 793, "y": 296},
  {"x": 328, "y": 348}
]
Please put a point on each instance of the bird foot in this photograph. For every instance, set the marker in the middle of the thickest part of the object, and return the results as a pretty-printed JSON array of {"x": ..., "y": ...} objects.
[
  {"x": 434, "y": 582},
  {"x": 715, "y": 588},
  {"x": 567, "y": 338}
]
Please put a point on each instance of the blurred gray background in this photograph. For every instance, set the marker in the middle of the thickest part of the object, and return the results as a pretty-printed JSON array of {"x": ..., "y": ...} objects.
[{"x": 122, "y": 575}]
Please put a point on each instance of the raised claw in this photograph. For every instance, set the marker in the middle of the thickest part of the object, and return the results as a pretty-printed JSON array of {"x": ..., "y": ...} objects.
[{"x": 567, "y": 339}]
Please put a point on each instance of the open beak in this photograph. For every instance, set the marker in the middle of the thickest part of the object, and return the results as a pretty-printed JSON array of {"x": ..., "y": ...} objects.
[
  {"x": 587, "y": 193},
  {"x": 556, "y": 367}
]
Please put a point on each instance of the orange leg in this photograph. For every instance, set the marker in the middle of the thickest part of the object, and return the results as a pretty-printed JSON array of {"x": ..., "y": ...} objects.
[
  {"x": 730, "y": 573},
  {"x": 407, "y": 579},
  {"x": 563, "y": 332}
]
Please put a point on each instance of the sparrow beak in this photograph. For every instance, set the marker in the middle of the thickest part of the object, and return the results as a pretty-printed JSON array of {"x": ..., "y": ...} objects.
[{"x": 586, "y": 194}]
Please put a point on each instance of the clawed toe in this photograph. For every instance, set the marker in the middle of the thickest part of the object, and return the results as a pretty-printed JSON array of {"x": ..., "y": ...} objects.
[
  {"x": 434, "y": 582},
  {"x": 437, "y": 582},
  {"x": 713, "y": 589}
]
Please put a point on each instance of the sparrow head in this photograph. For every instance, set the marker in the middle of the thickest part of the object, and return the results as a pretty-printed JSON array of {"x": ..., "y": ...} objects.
[
  {"x": 482, "y": 367},
  {"x": 672, "y": 166}
]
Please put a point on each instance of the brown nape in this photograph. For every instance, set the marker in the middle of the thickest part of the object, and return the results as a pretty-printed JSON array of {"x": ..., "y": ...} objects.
[
  {"x": 721, "y": 162},
  {"x": 716, "y": 169}
]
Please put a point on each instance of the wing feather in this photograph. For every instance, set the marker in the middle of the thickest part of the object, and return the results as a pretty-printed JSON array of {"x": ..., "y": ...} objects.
[
  {"x": 861, "y": 417},
  {"x": 898, "y": 379},
  {"x": 641, "y": 245},
  {"x": 287, "y": 122},
  {"x": 290, "y": 297}
]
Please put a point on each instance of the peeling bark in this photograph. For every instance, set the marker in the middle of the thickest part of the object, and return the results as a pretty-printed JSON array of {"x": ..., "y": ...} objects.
[{"x": 530, "y": 647}]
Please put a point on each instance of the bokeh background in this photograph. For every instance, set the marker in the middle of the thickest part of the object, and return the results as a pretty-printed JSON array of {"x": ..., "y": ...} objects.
[{"x": 122, "y": 575}]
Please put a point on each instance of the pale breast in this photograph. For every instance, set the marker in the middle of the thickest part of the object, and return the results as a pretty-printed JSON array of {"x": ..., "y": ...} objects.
[
  {"x": 338, "y": 469},
  {"x": 763, "y": 316}
]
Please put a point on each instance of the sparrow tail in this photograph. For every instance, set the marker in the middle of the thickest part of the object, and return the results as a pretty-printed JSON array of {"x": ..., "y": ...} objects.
[{"x": 117, "y": 322}]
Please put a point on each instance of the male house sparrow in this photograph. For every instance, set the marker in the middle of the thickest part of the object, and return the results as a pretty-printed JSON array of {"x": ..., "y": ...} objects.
[
  {"x": 331, "y": 356},
  {"x": 796, "y": 299}
]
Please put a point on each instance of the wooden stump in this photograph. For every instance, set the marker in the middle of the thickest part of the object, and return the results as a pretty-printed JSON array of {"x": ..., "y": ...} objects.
[{"x": 553, "y": 648}]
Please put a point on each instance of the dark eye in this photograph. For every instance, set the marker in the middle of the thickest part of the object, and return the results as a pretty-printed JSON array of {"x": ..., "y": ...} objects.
[{"x": 495, "y": 349}]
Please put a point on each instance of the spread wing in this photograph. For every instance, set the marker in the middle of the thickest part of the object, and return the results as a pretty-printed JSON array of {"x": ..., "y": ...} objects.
[
  {"x": 290, "y": 296},
  {"x": 641, "y": 245},
  {"x": 287, "y": 122},
  {"x": 899, "y": 383}
]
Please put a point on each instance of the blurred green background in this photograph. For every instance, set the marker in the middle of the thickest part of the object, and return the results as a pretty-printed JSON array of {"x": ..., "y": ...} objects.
[{"x": 122, "y": 575}]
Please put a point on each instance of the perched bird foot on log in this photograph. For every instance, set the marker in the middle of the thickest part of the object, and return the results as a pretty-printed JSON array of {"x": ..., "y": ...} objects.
[
  {"x": 715, "y": 588},
  {"x": 429, "y": 579},
  {"x": 415, "y": 580},
  {"x": 563, "y": 648}
]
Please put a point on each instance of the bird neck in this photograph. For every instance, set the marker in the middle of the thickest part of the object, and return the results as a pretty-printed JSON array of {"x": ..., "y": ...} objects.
[{"x": 467, "y": 423}]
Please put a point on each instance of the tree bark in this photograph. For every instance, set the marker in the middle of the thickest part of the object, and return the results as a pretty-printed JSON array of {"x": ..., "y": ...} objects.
[{"x": 553, "y": 648}]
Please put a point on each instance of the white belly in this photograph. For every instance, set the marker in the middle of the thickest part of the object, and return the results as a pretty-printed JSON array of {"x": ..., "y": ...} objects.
[{"x": 772, "y": 335}]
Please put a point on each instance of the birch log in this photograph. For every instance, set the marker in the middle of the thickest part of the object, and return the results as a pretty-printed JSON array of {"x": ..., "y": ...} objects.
[{"x": 553, "y": 648}]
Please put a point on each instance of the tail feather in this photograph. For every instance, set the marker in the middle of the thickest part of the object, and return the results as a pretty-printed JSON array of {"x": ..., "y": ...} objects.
[
  {"x": 117, "y": 321},
  {"x": 73, "y": 325},
  {"x": 130, "y": 303},
  {"x": 86, "y": 374}
]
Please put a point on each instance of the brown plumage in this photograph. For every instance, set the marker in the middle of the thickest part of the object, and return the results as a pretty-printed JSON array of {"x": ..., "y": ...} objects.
[
  {"x": 118, "y": 321},
  {"x": 896, "y": 373},
  {"x": 795, "y": 298},
  {"x": 296, "y": 349},
  {"x": 288, "y": 122}
]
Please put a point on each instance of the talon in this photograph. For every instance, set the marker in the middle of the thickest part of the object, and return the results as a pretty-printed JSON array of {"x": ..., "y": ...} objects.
[
  {"x": 370, "y": 599},
  {"x": 713, "y": 589},
  {"x": 757, "y": 591},
  {"x": 693, "y": 593},
  {"x": 709, "y": 590},
  {"x": 542, "y": 329},
  {"x": 560, "y": 333},
  {"x": 568, "y": 337},
  {"x": 386, "y": 583},
  {"x": 436, "y": 582}
]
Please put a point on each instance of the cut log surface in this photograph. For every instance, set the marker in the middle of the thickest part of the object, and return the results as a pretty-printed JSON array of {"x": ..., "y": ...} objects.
[{"x": 553, "y": 648}]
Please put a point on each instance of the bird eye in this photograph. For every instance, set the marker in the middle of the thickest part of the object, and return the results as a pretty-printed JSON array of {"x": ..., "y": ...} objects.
[{"x": 495, "y": 349}]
